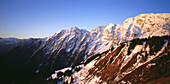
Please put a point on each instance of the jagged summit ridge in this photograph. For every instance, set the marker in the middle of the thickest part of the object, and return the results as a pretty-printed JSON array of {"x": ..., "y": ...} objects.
[{"x": 77, "y": 41}]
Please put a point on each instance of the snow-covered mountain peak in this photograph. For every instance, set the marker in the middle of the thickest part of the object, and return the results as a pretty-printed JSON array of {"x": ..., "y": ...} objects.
[
  {"x": 98, "y": 29},
  {"x": 66, "y": 32},
  {"x": 74, "y": 28},
  {"x": 110, "y": 26},
  {"x": 143, "y": 26}
]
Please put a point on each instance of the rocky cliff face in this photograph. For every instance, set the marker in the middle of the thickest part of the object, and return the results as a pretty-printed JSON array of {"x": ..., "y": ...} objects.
[{"x": 70, "y": 47}]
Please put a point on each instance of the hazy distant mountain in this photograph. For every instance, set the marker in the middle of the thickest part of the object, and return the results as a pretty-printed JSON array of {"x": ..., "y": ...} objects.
[
  {"x": 40, "y": 57},
  {"x": 6, "y": 44}
]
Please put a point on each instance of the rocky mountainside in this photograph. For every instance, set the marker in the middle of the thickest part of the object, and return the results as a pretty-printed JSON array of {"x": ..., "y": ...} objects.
[
  {"x": 70, "y": 47},
  {"x": 137, "y": 61}
]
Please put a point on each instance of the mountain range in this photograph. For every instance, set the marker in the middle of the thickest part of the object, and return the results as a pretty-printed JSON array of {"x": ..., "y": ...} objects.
[{"x": 114, "y": 53}]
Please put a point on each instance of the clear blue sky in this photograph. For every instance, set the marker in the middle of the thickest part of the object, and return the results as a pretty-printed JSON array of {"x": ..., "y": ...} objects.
[{"x": 42, "y": 18}]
